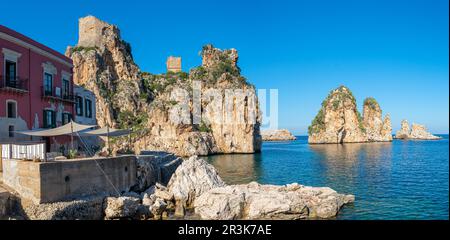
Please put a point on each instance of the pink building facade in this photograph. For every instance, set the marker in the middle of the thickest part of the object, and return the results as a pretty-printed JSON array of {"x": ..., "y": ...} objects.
[{"x": 36, "y": 89}]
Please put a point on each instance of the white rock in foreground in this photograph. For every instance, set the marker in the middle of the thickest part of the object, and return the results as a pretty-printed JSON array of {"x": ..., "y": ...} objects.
[
  {"x": 277, "y": 135},
  {"x": 255, "y": 201},
  {"x": 121, "y": 207},
  {"x": 191, "y": 179}
]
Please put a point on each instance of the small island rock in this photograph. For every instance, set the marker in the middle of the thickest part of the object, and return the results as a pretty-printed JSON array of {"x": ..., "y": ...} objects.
[{"x": 277, "y": 135}]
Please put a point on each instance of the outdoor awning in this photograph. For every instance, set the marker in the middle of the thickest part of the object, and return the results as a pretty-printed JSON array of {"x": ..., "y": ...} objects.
[
  {"x": 105, "y": 131},
  {"x": 67, "y": 129}
]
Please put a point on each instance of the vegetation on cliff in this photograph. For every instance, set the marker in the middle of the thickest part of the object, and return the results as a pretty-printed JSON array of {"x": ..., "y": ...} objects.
[
  {"x": 339, "y": 121},
  {"x": 130, "y": 98},
  {"x": 372, "y": 103},
  {"x": 335, "y": 99}
]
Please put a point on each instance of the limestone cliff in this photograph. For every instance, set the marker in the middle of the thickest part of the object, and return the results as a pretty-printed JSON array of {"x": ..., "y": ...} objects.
[
  {"x": 339, "y": 121},
  {"x": 417, "y": 132},
  {"x": 145, "y": 102}
]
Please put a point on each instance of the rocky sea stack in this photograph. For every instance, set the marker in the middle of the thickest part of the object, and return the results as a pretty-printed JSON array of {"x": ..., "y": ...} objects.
[
  {"x": 129, "y": 98},
  {"x": 339, "y": 121},
  {"x": 417, "y": 131},
  {"x": 277, "y": 135}
]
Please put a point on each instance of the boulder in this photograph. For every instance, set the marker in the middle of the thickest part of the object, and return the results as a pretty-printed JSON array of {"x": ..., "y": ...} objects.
[
  {"x": 158, "y": 207},
  {"x": 121, "y": 207},
  {"x": 255, "y": 201},
  {"x": 191, "y": 179},
  {"x": 162, "y": 193}
]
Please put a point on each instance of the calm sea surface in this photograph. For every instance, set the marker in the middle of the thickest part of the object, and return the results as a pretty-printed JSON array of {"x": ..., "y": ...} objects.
[{"x": 397, "y": 180}]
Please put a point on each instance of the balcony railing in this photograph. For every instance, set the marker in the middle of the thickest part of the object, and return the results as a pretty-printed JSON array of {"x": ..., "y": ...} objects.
[
  {"x": 51, "y": 93},
  {"x": 13, "y": 83},
  {"x": 68, "y": 97}
]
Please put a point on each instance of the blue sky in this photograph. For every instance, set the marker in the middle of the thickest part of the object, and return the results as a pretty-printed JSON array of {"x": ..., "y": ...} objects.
[{"x": 395, "y": 51}]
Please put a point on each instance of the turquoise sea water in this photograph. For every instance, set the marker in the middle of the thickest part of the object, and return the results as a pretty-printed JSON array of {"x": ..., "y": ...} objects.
[{"x": 397, "y": 180}]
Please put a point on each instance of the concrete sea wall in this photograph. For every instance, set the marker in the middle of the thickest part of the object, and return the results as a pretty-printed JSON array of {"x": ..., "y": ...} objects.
[{"x": 46, "y": 182}]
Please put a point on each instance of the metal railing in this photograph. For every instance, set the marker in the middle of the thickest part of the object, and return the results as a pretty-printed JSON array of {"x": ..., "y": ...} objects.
[
  {"x": 47, "y": 92},
  {"x": 13, "y": 83},
  {"x": 68, "y": 97}
]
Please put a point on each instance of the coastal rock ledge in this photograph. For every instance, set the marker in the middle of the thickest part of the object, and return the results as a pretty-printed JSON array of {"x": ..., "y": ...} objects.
[
  {"x": 256, "y": 201},
  {"x": 197, "y": 185},
  {"x": 417, "y": 131},
  {"x": 277, "y": 135}
]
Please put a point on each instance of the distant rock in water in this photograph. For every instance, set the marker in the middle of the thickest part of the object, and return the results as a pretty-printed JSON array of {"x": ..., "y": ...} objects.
[
  {"x": 339, "y": 121},
  {"x": 417, "y": 132},
  {"x": 277, "y": 135},
  {"x": 129, "y": 98},
  {"x": 404, "y": 131}
]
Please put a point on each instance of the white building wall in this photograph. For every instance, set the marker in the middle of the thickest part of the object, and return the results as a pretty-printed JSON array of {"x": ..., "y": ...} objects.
[{"x": 85, "y": 94}]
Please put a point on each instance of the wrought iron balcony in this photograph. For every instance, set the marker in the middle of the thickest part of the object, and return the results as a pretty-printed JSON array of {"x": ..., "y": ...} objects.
[
  {"x": 68, "y": 98},
  {"x": 56, "y": 95},
  {"x": 13, "y": 84},
  {"x": 48, "y": 92}
]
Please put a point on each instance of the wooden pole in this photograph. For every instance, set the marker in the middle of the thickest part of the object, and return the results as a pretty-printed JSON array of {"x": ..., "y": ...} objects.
[
  {"x": 107, "y": 138},
  {"x": 71, "y": 134},
  {"x": 129, "y": 139},
  {"x": 1, "y": 157}
]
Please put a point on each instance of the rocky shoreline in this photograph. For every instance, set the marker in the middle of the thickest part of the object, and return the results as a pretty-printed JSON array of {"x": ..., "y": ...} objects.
[
  {"x": 196, "y": 189},
  {"x": 277, "y": 135}
]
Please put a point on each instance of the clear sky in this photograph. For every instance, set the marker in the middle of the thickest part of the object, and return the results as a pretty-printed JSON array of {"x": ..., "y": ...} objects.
[{"x": 395, "y": 51}]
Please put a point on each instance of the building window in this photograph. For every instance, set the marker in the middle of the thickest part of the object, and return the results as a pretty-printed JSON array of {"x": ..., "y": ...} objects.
[
  {"x": 11, "y": 131},
  {"x": 66, "y": 118},
  {"x": 88, "y": 108},
  {"x": 49, "y": 119},
  {"x": 48, "y": 84},
  {"x": 66, "y": 88},
  {"x": 10, "y": 73},
  {"x": 79, "y": 106},
  {"x": 11, "y": 107}
]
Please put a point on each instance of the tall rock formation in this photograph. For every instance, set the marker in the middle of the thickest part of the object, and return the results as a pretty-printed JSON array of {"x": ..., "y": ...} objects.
[
  {"x": 377, "y": 129},
  {"x": 145, "y": 102},
  {"x": 339, "y": 121}
]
